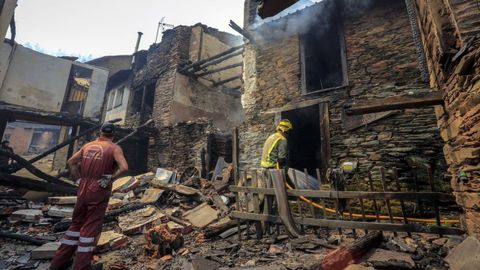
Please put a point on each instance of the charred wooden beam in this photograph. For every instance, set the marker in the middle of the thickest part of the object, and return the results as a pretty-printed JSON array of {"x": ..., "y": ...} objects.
[
  {"x": 344, "y": 224},
  {"x": 231, "y": 79},
  {"x": 59, "y": 146},
  {"x": 241, "y": 31},
  {"x": 35, "y": 185},
  {"x": 23, "y": 162},
  {"x": 395, "y": 103},
  {"x": 342, "y": 256},
  {"x": 23, "y": 237},
  {"x": 51, "y": 118},
  {"x": 218, "y": 70},
  {"x": 217, "y": 56},
  {"x": 371, "y": 195},
  {"x": 134, "y": 131},
  {"x": 220, "y": 60}
]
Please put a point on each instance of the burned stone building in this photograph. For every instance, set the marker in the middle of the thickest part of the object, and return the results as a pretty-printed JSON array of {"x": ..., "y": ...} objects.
[
  {"x": 193, "y": 101},
  {"x": 359, "y": 80},
  {"x": 450, "y": 37},
  {"x": 311, "y": 60}
]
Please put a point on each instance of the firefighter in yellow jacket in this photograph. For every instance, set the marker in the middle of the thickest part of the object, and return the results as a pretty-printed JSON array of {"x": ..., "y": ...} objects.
[{"x": 275, "y": 149}]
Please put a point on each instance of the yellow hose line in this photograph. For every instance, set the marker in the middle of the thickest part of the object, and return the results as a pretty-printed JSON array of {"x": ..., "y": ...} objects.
[{"x": 330, "y": 210}]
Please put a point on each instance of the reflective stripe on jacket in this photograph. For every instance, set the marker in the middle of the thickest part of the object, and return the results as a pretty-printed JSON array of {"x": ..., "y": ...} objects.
[{"x": 271, "y": 152}]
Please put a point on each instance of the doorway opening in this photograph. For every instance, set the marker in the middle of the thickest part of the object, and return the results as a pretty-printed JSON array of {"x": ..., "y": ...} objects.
[{"x": 304, "y": 141}]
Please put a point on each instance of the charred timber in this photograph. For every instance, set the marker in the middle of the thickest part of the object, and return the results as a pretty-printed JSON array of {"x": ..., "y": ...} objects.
[
  {"x": 135, "y": 131},
  {"x": 241, "y": 31},
  {"x": 395, "y": 103},
  {"x": 35, "y": 185},
  {"x": 220, "y": 60},
  {"x": 231, "y": 79},
  {"x": 24, "y": 163},
  {"x": 23, "y": 237},
  {"x": 342, "y": 256},
  {"x": 59, "y": 146},
  {"x": 218, "y": 70},
  {"x": 52, "y": 118},
  {"x": 217, "y": 56}
]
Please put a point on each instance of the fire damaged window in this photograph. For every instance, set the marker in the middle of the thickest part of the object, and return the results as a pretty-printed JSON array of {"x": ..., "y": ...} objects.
[
  {"x": 77, "y": 89},
  {"x": 323, "y": 57},
  {"x": 119, "y": 97},
  {"x": 111, "y": 97}
]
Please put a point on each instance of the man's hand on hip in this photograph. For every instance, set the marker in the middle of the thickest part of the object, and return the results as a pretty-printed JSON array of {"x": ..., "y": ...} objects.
[{"x": 105, "y": 181}]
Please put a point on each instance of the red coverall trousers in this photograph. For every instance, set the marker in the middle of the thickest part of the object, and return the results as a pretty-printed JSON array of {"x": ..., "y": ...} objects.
[{"x": 86, "y": 227}]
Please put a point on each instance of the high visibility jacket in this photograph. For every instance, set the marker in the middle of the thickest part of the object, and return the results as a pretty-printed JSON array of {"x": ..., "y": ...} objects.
[{"x": 274, "y": 149}]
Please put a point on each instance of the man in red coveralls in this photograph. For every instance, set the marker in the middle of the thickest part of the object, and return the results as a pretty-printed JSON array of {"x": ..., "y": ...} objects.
[{"x": 97, "y": 161}]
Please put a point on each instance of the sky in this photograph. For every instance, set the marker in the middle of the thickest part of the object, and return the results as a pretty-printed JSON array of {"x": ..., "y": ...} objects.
[{"x": 95, "y": 28}]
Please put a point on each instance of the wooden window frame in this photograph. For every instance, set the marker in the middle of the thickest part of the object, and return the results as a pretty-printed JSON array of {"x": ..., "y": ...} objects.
[{"x": 343, "y": 59}]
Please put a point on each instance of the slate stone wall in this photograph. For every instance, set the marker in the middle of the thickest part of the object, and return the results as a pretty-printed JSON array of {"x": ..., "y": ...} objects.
[{"x": 381, "y": 61}]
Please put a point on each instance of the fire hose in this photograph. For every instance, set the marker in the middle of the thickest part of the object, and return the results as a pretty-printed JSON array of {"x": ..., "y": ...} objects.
[{"x": 330, "y": 210}]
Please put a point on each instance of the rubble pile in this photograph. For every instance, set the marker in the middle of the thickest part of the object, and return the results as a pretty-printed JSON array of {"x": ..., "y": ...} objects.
[{"x": 165, "y": 221}]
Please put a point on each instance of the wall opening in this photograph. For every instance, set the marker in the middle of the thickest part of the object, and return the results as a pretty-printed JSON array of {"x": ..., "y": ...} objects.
[
  {"x": 304, "y": 142},
  {"x": 77, "y": 91},
  {"x": 323, "y": 57},
  {"x": 27, "y": 138}
]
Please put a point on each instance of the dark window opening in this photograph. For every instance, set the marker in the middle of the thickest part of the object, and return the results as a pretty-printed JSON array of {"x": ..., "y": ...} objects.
[
  {"x": 304, "y": 141},
  {"x": 111, "y": 96},
  {"x": 323, "y": 57},
  {"x": 119, "y": 97},
  {"x": 269, "y": 8},
  {"x": 77, "y": 89},
  {"x": 143, "y": 99}
]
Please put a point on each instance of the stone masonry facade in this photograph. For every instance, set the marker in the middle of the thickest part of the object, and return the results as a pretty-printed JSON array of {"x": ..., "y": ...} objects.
[
  {"x": 172, "y": 143},
  {"x": 450, "y": 34},
  {"x": 381, "y": 61}
]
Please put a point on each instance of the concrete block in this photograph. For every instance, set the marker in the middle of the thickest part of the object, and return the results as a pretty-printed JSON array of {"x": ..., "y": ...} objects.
[
  {"x": 465, "y": 256},
  {"x": 45, "y": 251}
]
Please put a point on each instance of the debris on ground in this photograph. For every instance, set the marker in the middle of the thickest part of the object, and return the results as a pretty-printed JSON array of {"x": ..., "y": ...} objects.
[{"x": 155, "y": 222}]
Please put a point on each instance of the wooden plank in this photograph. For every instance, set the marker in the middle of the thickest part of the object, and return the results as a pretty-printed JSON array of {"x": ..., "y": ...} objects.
[
  {"x": 325, "y": 152},
  {"x": 227, "y": 80},
  {"x": 375, "y": 205},
  {"x": 435, "y": 202},
  {"x": 247, "y": 203},
  {"x": 33, "y": 184},
  {"x": 237, "y": 204},
  {"x": 387, "y": 202},
  {"x": 374, "y": 226},
  {"x": 352, "y": 122},
  {"x": 299, "y": 203},
  {"x": 370, "y": 195},
  {"x": 344, "y": 255},
  {"x": 395, "y": 103},
  {"x": 214, "y": 57},
  {"x": 402, "y": 203},
  {"x": 208, "y": 72},
  {"x": 256, "y": 206}
]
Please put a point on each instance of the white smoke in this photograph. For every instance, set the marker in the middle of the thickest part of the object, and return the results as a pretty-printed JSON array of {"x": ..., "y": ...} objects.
[
  {"x": 297, "y": 19},
  {"x": 303, "y": 15}
]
